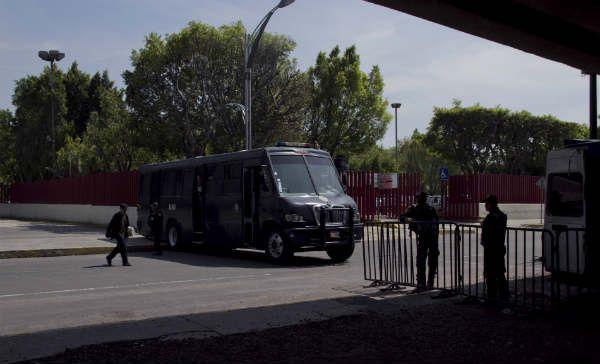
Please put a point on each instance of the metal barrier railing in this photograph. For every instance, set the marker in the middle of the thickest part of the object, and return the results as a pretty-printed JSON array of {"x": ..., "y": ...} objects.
[{"x": 540, "y": 265}]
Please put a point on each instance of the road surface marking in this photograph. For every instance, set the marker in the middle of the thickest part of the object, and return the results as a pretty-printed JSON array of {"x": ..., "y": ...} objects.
[{"x": 137, "y": 285}]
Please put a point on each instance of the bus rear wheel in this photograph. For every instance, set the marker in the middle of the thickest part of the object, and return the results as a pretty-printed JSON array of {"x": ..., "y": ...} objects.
[
  {"x": 174, "y": 237},
  {"x": 277, "y": 248},
  {"x": 341, "y": 253}
]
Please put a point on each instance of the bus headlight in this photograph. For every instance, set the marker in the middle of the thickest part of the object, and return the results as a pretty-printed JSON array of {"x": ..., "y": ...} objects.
[
  {"x": 356, "y": 215},
  {"x": 293, "y": 218}
]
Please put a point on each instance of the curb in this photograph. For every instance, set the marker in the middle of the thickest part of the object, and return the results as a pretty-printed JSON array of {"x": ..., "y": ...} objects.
[{"x": 44, "y": 253}]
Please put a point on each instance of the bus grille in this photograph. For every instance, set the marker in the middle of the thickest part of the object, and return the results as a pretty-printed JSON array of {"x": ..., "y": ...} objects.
[{"x": 336, "y": 216}]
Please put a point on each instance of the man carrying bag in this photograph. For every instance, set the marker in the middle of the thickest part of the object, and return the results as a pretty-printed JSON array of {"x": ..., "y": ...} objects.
[{"x": 118, "y": 229}]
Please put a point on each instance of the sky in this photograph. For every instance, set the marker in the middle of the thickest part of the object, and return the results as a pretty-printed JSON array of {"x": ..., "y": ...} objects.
[{"x": 424, "y": 65}]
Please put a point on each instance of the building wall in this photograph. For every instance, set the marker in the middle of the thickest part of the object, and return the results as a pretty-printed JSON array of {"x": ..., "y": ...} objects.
[
  {"x": 86, "y": 214},
  {"x": 518, "y": 211}
]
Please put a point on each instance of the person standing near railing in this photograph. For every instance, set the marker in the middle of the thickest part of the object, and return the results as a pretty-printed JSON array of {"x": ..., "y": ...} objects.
[
  {"x": 423, "y": 221},
  {"x": 493, "y": 233}
]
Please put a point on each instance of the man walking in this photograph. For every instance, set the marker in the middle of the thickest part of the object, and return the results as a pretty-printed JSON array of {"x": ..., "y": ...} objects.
[
  {"x": 493, "y": 233},
  {"x": 155, "y": 221},
  {"x": 118, "y": 229},
  {"x": 423, "y": 221}
]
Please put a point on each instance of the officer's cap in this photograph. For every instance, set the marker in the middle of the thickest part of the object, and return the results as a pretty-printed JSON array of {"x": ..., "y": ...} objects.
[{"x": 491, "y": 199}]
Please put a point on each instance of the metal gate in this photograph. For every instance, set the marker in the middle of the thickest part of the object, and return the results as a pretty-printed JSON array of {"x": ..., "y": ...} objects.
[{"x": 534, "y": 272}]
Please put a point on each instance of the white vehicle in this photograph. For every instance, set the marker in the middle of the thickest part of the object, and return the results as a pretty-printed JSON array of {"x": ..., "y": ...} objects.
[{"x": 572, "y": 208}]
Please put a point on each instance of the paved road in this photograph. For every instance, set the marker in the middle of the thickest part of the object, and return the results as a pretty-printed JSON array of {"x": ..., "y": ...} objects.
[{"x": 48, "y": 293}]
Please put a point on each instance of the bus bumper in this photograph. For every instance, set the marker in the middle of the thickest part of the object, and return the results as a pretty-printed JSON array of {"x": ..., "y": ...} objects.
[{"x": 317, "y": 238}]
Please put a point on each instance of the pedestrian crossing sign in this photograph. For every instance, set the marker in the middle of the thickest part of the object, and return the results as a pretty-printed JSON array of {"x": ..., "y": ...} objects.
[{"x": 444, "y": 174}]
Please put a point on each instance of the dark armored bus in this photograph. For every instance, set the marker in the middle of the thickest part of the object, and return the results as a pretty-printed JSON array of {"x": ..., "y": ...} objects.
[{"x": 279, "y": 199}]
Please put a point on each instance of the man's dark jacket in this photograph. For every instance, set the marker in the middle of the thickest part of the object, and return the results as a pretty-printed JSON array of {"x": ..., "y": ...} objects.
[
  {"x": 493, "y": 229},
  {"x": 118, "y": 225},
  {"x": 155, "y": 221}
]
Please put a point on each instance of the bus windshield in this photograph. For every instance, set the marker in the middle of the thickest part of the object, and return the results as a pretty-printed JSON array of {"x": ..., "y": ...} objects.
[
  {"x": 324, "y": 175},
  {"x": 292, "y": 177}
]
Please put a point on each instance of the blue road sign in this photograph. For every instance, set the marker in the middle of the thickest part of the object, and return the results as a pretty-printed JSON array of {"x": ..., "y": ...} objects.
[{"x": 444, "y": 174}]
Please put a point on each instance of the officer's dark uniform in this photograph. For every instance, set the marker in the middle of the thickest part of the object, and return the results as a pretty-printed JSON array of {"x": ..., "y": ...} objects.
[
  {"x": 118, "y": 229},
  {"x": 155, "y": 221},
  {"x": 493, "y": 233},
  {"x": 425, "y": 225}
]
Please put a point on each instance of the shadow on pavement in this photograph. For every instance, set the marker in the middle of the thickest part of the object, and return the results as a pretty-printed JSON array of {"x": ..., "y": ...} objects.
[
  {"x": 211, "y": 257},
  {"x": 209, "y": 324},
  {"x": 405, "y": 328}
]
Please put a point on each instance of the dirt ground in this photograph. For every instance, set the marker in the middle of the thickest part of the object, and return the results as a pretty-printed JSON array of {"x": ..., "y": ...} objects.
[{"x": 447, "y": 333}]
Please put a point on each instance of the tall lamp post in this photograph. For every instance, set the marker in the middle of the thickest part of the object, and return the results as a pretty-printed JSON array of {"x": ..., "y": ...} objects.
[
  {"x": 250, "y": 44},
  {"x": 52, "y": 56},
  {"x": 396, "y": 106},
  {"x": 593, "y": 107}
]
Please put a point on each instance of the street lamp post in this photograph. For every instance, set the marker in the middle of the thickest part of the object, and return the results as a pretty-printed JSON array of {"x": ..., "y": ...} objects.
[
  {"x": 52, "y": 56},
  {"x": 242, "y": 109},
  {"x": 396, "y": 106},
  {"x": 250, "y": 44}
]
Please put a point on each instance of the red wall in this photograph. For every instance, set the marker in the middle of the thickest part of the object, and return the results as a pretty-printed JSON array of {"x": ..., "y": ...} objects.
[{"x": 97, "y": 189}]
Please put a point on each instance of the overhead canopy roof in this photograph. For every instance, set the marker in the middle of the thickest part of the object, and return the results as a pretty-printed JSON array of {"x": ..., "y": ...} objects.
[{"x": 563, "y": 31}]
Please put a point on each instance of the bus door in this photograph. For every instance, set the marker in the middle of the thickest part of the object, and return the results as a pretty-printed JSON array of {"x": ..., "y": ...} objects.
[
  {"x": 155, "y": 180},
  {"x": 198, "y": 189},
  {"x": 250, "y": 217},
  {"x": 566, "y": 210},
  {"x": 256, "y": 189}
]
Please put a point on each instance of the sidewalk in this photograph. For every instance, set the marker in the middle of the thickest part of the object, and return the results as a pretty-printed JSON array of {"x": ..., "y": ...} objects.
[
  {"x": 356, "y": 329},
  {"x": 23, "y": 239}
]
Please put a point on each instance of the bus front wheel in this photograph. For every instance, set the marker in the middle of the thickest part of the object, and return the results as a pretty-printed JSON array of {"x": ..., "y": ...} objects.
[
  {"x": 174, "y": 235},
  {"x": 277, "y": 248},
  {"x": 341, "y": 253}
]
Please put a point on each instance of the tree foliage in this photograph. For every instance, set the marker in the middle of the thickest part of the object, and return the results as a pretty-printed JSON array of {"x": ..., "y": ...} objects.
[
  {"x": 497, "y": 140},
  {"x": 182, "y": 85},
  {"x": 347, "y": 113},
  {"x": 8, "y": 163}
]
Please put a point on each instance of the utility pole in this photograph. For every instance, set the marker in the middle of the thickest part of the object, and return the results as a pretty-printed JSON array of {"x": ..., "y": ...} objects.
[
  {"x": 52, "y": 56},
  {"x": 250, "y": 43},
  {"x": 396, "y": 106},
  {"x": 593, "y": 107}
]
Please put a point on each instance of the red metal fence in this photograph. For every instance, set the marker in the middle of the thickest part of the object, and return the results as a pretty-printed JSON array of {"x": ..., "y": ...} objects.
[
  {"x": 465, "y": 192},
  {"x": 97, "y": 189},
  {"x": 374, "y": 200},
  {"x": 388, "y": 198},
  {"x": 4, "y": 193}
]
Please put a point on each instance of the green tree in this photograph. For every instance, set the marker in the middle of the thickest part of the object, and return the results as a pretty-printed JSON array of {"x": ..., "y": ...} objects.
[
  {"x": 181, "y": 84},
  {"x": 376, "y": 159},
  {"x": 33, "y": 131},
  {"x": 76, "y": 84},
  {"x": 416, "y": 157},
  {"x": 347, "y": 113},
  {"x": 8, "y": 163},
  {"x": 110, "y": 142},
  {"x": 497, "y": 140}
]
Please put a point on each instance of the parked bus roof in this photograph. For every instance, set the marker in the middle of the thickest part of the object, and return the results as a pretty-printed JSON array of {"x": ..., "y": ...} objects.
[{"x": 230, "y": 157}]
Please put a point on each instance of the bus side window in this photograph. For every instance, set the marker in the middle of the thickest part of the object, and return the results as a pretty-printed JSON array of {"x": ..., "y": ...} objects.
[
  {"x": 232, "y": 174},
  {"x": 155, "y": 180},
  {"x": 168, "y": 184},
  {"x": 178, "y": 183},
  {"x": 141, "y": 189},
  {"x": 265, "y": 179}
]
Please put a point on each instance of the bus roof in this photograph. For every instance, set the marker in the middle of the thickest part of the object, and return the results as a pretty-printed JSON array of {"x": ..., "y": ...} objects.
[{"x": 231, "y": 157}]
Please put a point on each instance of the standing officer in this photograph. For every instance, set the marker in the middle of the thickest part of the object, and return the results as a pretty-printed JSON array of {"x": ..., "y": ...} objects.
[
  {"x": 118, "y": 228},
  {"x": 493, "y": 233},
  {"x": 423, "y": 221},
  {"x": 155, "y": 221}
]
